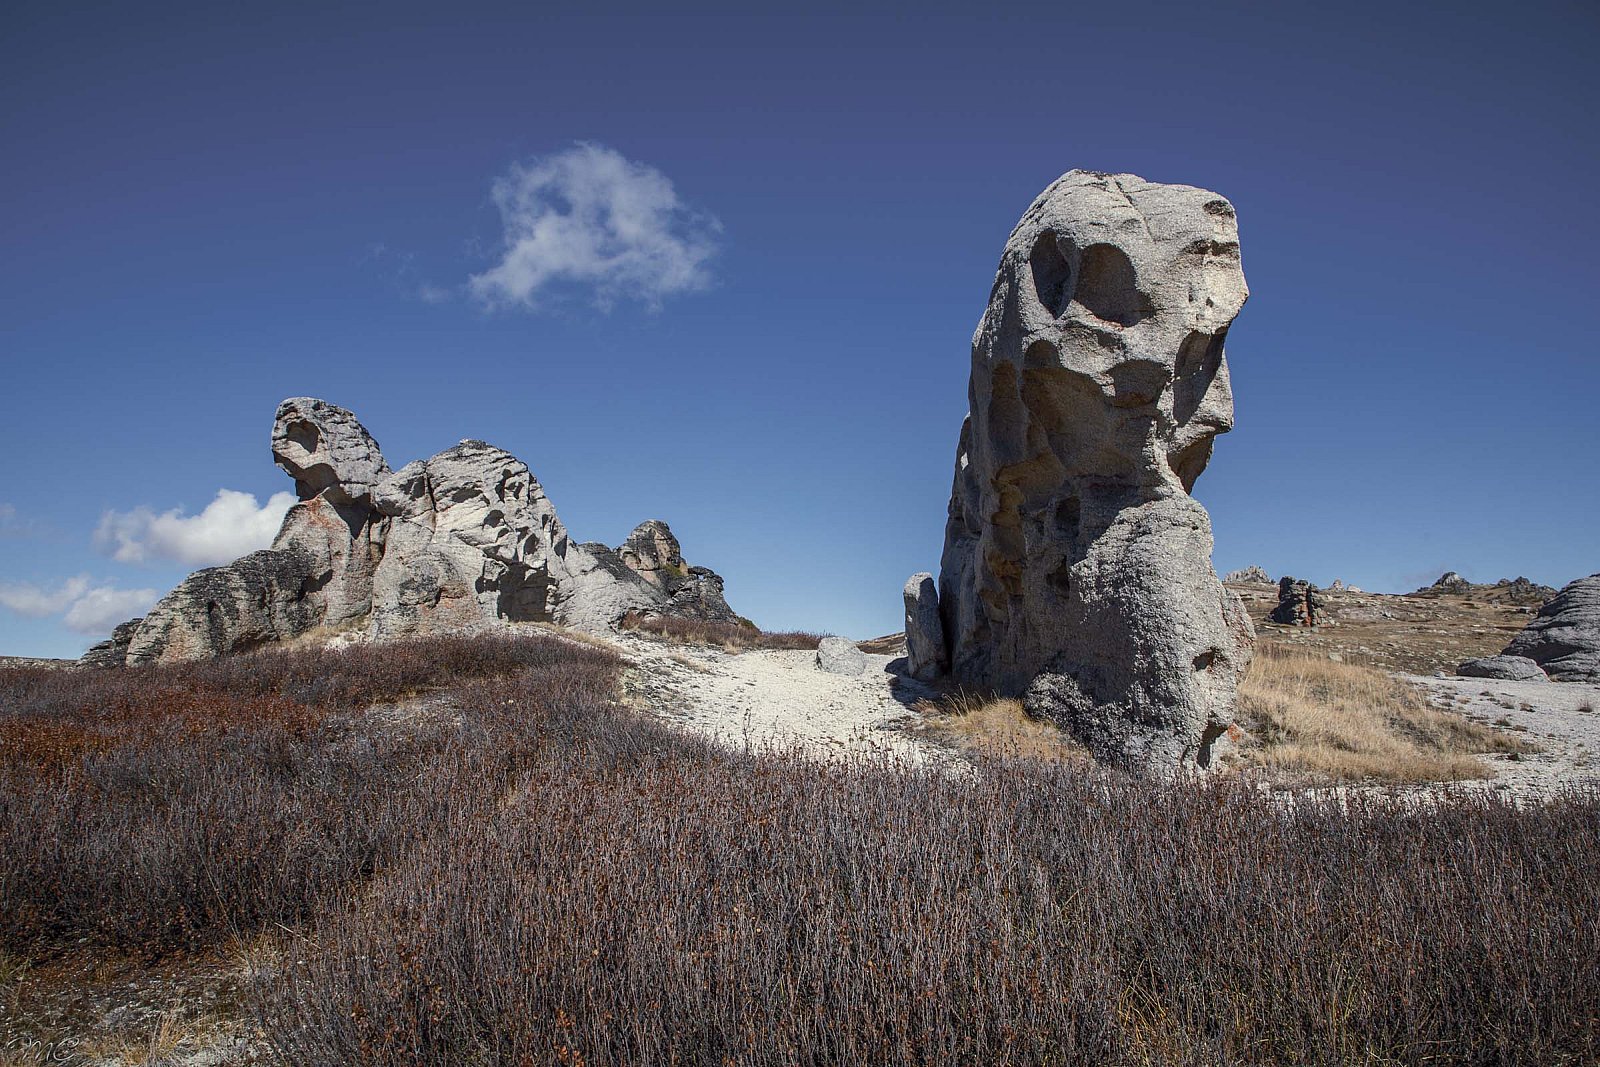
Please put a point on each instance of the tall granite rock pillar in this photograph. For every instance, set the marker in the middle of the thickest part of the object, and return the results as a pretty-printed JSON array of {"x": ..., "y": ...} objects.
[{"x": 1077, "y": 568}]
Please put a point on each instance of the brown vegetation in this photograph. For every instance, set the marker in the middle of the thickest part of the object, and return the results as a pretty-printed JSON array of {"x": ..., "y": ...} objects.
[
  {"x": 997, "y": 727},
  {"x": 1344, "y": 722},
  {"x": 732, "y": 636},
  {"x": 172, "y": 806},
  {"x": 530, "y": 873}
]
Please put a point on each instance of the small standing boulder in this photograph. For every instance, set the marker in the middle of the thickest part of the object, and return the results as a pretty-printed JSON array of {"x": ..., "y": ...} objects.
[
  {"x": 925, "y": 649},
  {"x": 1508, "y": 668}
]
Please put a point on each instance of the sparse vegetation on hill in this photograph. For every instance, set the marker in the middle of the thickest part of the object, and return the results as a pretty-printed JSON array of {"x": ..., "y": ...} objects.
[
  {"x": 1349, "y": 723},
  {"x": 508, "y": 867},
  {"x": 733, "y": 636}
]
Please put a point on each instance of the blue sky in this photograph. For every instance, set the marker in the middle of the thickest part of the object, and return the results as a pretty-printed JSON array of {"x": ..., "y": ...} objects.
[{"x": 205, "y": 211}]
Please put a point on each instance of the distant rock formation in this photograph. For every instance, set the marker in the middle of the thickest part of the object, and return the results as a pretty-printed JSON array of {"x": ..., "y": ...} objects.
[
  {"x": 1299, "y": 603},
  {"x": 1564, "y": 638},
  {"x": 1251, "y": 573},
  {"x": 1507, "y": 590},
  {"x": 462, "y": 540},
  {"x": 1449, "y": 584},
  {"x": 1520, "y": 590},
  {"x": 1077, "y": 567}
]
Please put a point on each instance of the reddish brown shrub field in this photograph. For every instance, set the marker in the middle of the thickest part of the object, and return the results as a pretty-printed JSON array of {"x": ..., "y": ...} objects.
[{"x": 514, "y": 869}]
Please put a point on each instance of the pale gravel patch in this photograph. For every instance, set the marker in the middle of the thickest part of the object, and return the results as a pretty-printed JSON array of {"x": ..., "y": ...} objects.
[
  {"x": 1549, "y": 712},
  {"x": 779, "y": 700}
]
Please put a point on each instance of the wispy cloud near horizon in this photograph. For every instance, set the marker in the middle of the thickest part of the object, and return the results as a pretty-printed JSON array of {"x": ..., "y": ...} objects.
[
  {"x": 84, "y": 607},
  {"x": 590, "y": 217}
]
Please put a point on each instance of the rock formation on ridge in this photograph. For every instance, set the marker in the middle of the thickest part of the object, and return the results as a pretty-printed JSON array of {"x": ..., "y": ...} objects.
[
  {"x": 1563, "y": 640},
  {"x": 464, "y": 539},
  {"x": 1251, "y": 573},
  {"x": 1299, "y": 603},
  {"x": 1449, "y": 584},
  {"x": 1077, "y": 567},
  {"x": 652, "y": 552}
]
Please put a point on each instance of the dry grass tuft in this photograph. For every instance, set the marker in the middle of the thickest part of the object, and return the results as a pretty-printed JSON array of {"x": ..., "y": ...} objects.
[
  {"x": 732, "y": 636},
  {"x": 999, "y": 728},
  {"x": 1345, "y": 722}
]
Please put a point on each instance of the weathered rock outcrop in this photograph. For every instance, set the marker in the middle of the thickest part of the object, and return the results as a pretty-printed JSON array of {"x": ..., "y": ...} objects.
[
  {"x": 113, "y": 651},
  {"x": 1520, "y": 590},
  {"x": 1511, "y": 668},
  {"x": 1564, "y": 638},
  {"x": 1077, "y": 567},
  {"x": 462, "y": 540},
  {"x": 652, "y": 552},
  {"x": 1251, "y": 573},
  {"x": 1449, "y": 584},
  {"x": 1299, "y": 603}
]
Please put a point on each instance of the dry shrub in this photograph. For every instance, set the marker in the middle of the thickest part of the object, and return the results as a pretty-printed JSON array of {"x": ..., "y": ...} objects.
[
  {"x": 997, "y": 727},
  {"x": 710, "y": 909},
  {"x": 166, "y": 808},
  {"x": 541, "y": 876},
  {"x": 1346, "y": 722},
  {"x": 733, "y": 636}
]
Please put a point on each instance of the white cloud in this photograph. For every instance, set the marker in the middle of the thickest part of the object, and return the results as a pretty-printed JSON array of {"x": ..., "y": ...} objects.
[
  {"x": 86, "y": 608},
  {"x": 591, "y": 217},
  {"x": 229, "y": 527},
  {"x": 36, "y": 602},
  {"x": 98, "y": 610}
]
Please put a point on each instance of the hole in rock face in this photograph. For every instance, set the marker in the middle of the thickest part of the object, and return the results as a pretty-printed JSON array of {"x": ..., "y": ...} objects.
[
  {"x": 1109, "y": 288},
  {"x": 1138, "y": 382},
  {"x": 305, "y": 435},
  {"x": 1061, "y": 578},
  {"x": 1041, "y": 355},
  {"x": 1069, "y": 513},
  {"x": 1204, "y": 660},
  {"x": 1052, "y": 274}
]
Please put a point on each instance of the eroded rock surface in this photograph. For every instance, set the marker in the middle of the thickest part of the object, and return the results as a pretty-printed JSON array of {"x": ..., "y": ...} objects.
[
  {"x": 652, "y": 552},
  {"x": 926, "y": 658},
  {"x": 839, "y": 655},
  {"x": 1564, "y": 638},
  {"x": 1076, "y": 568},
  {"x": 462, "y": 540},
  {"x": 1510, "y": 668},
  {"x": 113, "y": 651},
  {"x": 1251, "y": 573},
  {"x": 1299, "y": 603}
]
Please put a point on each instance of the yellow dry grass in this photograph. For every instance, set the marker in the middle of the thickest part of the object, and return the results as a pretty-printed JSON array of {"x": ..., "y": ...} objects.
[
  {"x": 1350, "y": 723},
  {"x": 997, "y": 727}
]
